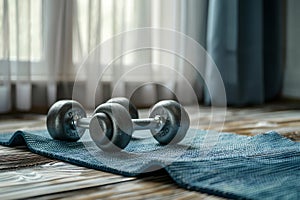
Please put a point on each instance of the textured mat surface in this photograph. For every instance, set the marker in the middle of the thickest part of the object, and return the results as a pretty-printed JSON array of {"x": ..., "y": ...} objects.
[{"x": 266, "y": 166}]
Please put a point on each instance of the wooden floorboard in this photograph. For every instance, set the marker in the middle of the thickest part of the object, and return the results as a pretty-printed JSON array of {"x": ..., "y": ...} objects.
[
  {"x": 155, "y": 187},
  {"x": 19, "y": 157},
  {"x": 27, "y": 175},
  {"x": 51, "y": 178}
]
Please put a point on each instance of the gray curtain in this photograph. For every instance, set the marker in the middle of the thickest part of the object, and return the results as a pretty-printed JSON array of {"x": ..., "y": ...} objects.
[{"x": 245, "y": 39}]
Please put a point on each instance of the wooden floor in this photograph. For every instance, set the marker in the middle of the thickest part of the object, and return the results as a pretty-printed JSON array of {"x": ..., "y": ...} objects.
[{"x": 27, "y": 175}]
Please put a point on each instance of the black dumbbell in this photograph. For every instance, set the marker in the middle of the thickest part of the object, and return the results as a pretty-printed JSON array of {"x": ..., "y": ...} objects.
[
  {"x": 168, "y": 123},
  {"x": 66, "y": 119}
]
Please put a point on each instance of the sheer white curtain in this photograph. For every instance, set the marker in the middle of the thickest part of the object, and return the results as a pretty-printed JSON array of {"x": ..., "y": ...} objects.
[
  {"x": 108, "y": 18},
  {"x": 20, "y": 52},
  {"x": 44, "y": 42}
]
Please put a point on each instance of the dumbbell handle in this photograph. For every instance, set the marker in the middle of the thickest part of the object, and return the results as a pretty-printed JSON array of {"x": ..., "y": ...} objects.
[
  {"x": 148, "y": 123},
  {"x": 138, "y": 124},
  {"x": 83, "y": 122}
]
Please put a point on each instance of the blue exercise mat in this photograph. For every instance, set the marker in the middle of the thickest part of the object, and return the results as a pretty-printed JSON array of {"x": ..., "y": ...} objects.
[{"x": 266, "y": 166}]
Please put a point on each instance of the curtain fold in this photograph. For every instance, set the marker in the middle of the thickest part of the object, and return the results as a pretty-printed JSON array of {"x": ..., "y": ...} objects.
[
  {"x": 5, "y": 80},
  {"x": 274, "y": 47},
  {"x": 58, "y": 46},
  {"x": 292, "y": 62},
  {"x": 23, "y": 64}
]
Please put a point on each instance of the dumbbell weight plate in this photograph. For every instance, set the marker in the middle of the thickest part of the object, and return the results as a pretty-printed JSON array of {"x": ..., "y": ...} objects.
[
  {"x": 176, "y": 123},
  {"x": 126, "y": 104},
  {"x": 60, "y": 120},
  {"x": 121, "y": 127}
]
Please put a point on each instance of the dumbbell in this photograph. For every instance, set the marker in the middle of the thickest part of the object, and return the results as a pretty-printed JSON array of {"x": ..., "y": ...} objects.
[
  {"x": 168, "y": 122},
  {"x": 112, "y": 125},
  {"x": 67, "y": 120}
]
